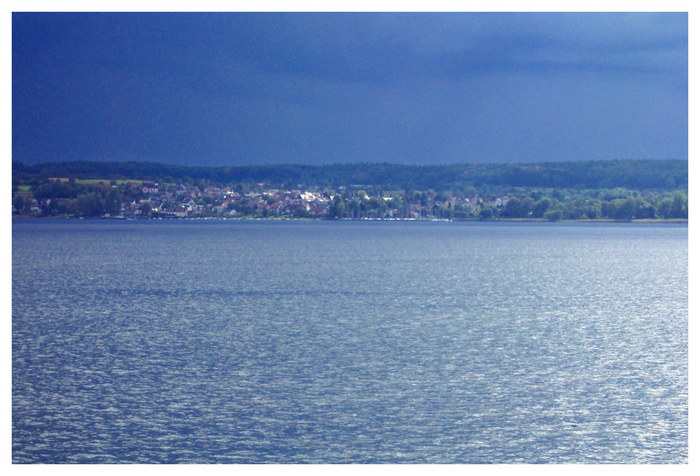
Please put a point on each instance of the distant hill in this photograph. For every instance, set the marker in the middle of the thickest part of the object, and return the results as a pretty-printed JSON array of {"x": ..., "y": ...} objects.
[{"x": 603, "y": 174}]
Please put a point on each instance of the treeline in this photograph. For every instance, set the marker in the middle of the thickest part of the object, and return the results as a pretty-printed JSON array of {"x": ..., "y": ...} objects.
[
  {"x": 58, "y": 198},
  {"x": 544, "y": 204},
  {"x": 592, "y": 206},
  {"x": 467, "y": 178}
]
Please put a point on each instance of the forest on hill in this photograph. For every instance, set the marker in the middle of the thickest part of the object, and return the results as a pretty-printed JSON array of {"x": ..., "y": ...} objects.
[{"x": 604, "y": 174}]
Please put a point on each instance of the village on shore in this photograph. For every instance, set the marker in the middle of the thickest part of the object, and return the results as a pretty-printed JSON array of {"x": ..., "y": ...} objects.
[
  {"x": 128, "y": 199},
  {"x": 143, "y": 199}
]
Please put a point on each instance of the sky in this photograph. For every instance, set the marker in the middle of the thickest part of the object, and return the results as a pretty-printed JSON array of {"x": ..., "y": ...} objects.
[{"x": 229, "y": 89}]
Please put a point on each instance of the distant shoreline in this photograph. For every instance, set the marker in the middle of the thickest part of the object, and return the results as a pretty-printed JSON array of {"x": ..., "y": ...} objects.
[{"x": 651, "y": 221}]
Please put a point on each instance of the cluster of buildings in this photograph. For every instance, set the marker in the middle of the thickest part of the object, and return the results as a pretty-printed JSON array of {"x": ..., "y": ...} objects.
[
  {"x": 189, "y": 201},
  {"x": 182, "y": 201},
  {"x": 135, "y": 199}
]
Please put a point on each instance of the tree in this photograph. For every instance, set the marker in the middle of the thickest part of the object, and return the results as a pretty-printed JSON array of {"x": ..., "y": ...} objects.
[
  {"x": 89, "y": 205},
  {"x": 679, "y": 206},
  {"x": 353, "y": 208},
  {"x": 56, "y": 189},
  {"x": 378, "y": 206},
  {"x": 49, "y": 207},
  {"x": 540, "y": 207},
  {"x": 337, "y": 208},
  {"x": 146, "y": 209},
  {"x": 592, "y": 209},
  {"x": 554, "y": 215},
  {"x": 609, "y": 209},
  {"x": 486, "y": 213},
  {"x": 516, "y": 208},
  {"x": 625, "y": 209},
  {"x": 19, "y": 203},
  {"x": 301, "y": 212},
  {"x": 113, "y": 202},
  {"x": 526, "y": 206},
  {"x": 646, "y": 210},
  {"x": 512, "y": 209}
]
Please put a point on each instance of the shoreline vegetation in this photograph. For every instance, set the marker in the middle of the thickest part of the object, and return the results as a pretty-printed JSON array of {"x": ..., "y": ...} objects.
[
  {"x": 638, "y": 191},
  {"x": 657, "y": 221}
]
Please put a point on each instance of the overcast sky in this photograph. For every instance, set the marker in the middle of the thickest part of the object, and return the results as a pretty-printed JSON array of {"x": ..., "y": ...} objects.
[{"x": 239, "y": 89}]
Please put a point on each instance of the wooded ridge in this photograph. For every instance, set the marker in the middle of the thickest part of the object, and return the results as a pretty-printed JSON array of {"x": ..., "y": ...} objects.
[{"x": 602, "y": 174}]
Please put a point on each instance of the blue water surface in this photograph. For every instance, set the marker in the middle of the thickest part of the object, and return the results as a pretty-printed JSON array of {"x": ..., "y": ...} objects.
[{"x": 348, "y": 342}]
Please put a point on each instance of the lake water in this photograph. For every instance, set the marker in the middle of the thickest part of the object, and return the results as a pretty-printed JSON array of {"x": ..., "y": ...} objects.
[{"x": 348, "y": 342}]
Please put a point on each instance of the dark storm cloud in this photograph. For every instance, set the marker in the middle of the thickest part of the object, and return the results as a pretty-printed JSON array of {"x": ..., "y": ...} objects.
[{"x": 314, "y": 88}]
